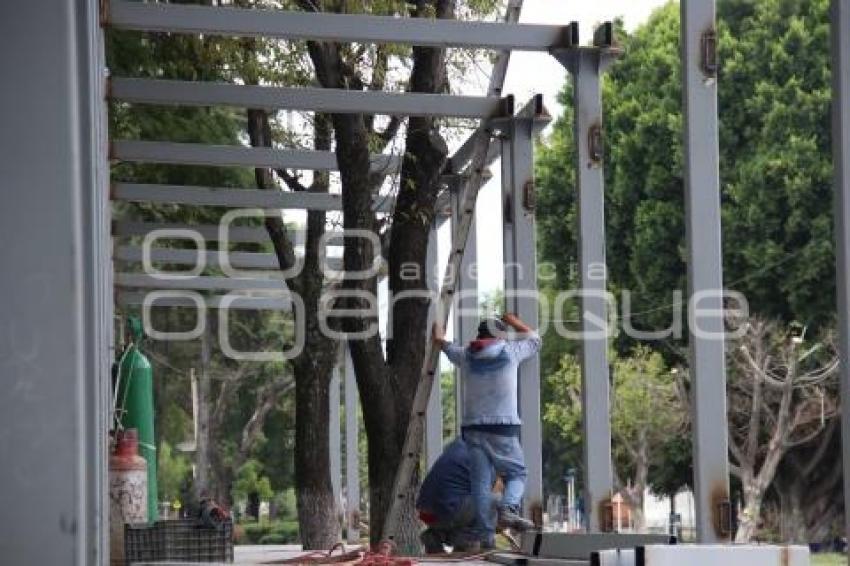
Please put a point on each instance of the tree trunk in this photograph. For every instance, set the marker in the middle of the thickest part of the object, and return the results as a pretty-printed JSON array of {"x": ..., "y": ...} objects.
[
  {"x": 317, "y": 510},
  {"x": 748, "y": 519},
  {"x": 318, "y": 519},
  {"x": 387, "y": 387}
]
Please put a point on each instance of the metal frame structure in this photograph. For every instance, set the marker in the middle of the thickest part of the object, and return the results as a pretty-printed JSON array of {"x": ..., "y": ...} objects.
[
  {"x": 586, "y": 66},
  {"x": 705, "y": 272},
  {"x": 520, "y": 260},
  {"x": 64, "y": 44},
  {"x": 56, "y": 337}
]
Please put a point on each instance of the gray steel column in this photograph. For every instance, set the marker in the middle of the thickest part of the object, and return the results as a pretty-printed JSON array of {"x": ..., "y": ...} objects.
[
  {"x": 705, "y": 272},
  {"x": 520, "y": 258},
  {"x": 840, "y": 19},
  {"x": 202, "y": 439},
  {"x": 434, "y": 412},
  {"x": 55, "y": 311},
  {"x": 352, "y": 453},
  {"x": 586, "y": 66},
  {"x": 334, "y": 440},
  {"x": 465, "y": 327}
]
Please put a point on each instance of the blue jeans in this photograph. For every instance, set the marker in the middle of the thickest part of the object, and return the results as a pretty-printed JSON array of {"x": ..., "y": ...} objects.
[{"x": 492, "y": 455}]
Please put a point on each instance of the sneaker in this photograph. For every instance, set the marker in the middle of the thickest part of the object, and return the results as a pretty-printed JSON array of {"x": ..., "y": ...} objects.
[
  {"x": 510, "y": 519},
  {"x": 432, "y": 542}
]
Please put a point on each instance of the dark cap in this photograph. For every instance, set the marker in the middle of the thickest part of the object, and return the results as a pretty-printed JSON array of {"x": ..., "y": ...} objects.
[{"x": 490, "y": 325}]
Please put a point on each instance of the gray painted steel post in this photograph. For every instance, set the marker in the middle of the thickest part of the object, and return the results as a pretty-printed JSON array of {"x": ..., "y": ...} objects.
[
  {"x": 352, "y": 453},
  {"x": 520, "y": 258},
  {"x": 840, "y": 19},
  {"x": 434, "y": 412},
  {"x": 56, "y": 311},
  {"x": 334, "y": 440},
  {"x": 705, "y": 275},
  {"x": 202, "y": 442},
  {"x": 586, "y": 66},
  {"x": 466, "y": 299}
]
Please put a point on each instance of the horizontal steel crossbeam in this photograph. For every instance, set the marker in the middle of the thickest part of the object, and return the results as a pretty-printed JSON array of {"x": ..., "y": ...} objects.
[
  {"x": 235, "y": 198},
  {"x": 200, "y": 282},
  {"x": 340, "y": 101},
  {"x": 239, "y": 156},
  {"x": 210, "y": 232},
  {"x": 136, "y": 298},
  {"x": 212, "y": 258},
  {"x": 175, "y": 18}
]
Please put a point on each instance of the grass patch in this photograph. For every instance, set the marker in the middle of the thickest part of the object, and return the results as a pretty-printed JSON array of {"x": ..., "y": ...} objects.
[
  {"x": 828, "y": 559},
  {"x": 266, "y": 532}
]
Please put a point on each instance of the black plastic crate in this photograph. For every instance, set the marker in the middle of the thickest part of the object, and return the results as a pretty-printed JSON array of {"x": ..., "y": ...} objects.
[{"x": 185, "y": 540}]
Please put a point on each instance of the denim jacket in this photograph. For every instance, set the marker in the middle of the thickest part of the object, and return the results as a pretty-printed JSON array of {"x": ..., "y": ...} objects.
[{"x": 489, "y": 390}]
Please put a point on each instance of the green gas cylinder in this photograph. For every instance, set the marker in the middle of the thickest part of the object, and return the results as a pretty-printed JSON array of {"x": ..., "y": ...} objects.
[{"x": 135, "y": 406}]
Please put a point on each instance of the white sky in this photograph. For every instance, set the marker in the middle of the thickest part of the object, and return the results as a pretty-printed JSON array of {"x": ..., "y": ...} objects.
[{"x": 528, "y": 74}]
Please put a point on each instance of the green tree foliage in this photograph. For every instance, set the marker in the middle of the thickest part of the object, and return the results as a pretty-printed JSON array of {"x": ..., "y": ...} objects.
[
  {"x": 775, "y": 164},
  {"x": 172, "y": 473},
  {"x": 646, "y": 409},
  {"x": 251, "y": 480}
]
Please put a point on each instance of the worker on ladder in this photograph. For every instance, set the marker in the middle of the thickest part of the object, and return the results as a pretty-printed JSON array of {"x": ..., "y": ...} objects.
[{"x": 491, "y": 423}]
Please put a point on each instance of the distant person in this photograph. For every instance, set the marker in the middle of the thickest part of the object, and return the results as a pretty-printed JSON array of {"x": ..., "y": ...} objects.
[
  {"x": 491, "y": 423},
  {"x": 445, "y": 503}
]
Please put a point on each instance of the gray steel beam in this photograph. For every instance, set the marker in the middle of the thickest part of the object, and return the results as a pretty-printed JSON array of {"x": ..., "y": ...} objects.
[
  {"x": 586, "y": 66},
  {"x": 434, "y": 412},
  {"x": 199, "y": 283},
  {"x": 238, "y": 156},
  {"x": 579, "y": 546},
  {"x": 352, "y": 454},
  {"x": 137, "y": 298},
  {"x": 202, "y": 432},
  {"x": 466, "y": 298},
  {"x": 240, "y": 260},
  {"x": 520, "y": 258},
  {"x": 334, "y": 439},
  {"x": 210, "y": 232},
  {"x": 705, "y": 273},
  {"x": 840, "y": 20},
  {"x": 236, "y": 198},
  {"x": 337, "y": 27},
  {"x": 56, "y": 310},
  {"x": 339, "y": 101}
]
